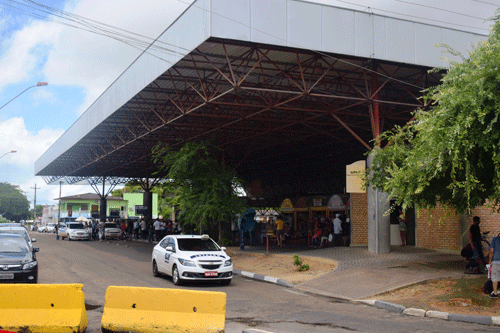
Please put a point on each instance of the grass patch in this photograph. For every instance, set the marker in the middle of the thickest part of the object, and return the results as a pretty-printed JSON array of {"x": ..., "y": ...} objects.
[{"x": 468, "y": 289}]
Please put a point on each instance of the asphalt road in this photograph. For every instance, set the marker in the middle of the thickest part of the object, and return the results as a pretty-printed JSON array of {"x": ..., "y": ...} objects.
[{"x": 250, "y": 304}]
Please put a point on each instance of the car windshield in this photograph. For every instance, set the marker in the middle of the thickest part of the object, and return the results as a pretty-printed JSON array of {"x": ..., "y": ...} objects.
[
  {"x": 197, "y": 244},
  {"x": 51, "y": 225},
  {"x": 75, "y": 226},
  {"x": 10, "y": 244},
  {"x": 110, "y": 225}
]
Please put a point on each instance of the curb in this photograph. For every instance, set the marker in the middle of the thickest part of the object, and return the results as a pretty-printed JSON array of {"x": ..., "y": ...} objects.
[
  {"x": 483, "y": 320},
  {"x": 263, "y": 278},
  {"x": 392, "y": 307}
]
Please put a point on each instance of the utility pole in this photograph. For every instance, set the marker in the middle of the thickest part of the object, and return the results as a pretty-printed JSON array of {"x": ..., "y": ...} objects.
[
  {"x": 34, "y": 205},
  {"x": 59, "y": 209}
]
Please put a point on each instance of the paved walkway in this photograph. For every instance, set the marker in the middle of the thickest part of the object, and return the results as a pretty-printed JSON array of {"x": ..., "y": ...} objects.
[{"x": 361, "y": 274}]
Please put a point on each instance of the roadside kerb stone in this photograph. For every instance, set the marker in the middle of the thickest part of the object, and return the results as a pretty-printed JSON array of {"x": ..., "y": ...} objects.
[
  {"x": 264, "y": 278},
  {"x": 389, "y": 306},
  {"x": 414, "y": 312},
  {"x": 437, "y": 314},
  {"x": 485, "y": 320}
]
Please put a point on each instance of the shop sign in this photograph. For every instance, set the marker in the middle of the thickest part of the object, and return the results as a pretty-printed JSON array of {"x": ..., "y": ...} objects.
[
  {"x": 286, "y": 206},
  {"x": 317, "y": 202}
]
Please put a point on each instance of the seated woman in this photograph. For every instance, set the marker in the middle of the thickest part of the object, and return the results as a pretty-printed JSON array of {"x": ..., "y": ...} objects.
[
  {"x": 327, "y": 236},
  {"x": 317, "y": 234}
]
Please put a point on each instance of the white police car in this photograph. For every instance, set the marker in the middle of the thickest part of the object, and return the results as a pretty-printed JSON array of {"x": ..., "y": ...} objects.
[{"x": 192, "y": 258}]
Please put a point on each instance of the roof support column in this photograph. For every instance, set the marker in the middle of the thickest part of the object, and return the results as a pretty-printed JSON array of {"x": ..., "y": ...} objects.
[
  {"x": 103, "y": 204},
  {"x": 378, "y": 224},
  {"x": 375, "y": 111}
]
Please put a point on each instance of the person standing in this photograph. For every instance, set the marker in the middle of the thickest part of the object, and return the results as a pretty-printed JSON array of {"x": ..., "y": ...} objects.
[
  {"x": 279, "y": 231},
  {"x": 475, "y": 239},
  {"x": 156, "y": 226},
  {"x": 337, "y": 230},
  {"x": 144, "y": 227},
  {"x": 56, "y": 228},
  {"x": 136, "y": 229},
  {"x": 495, "y": 265},
  {"x": 402, "y": 226}
]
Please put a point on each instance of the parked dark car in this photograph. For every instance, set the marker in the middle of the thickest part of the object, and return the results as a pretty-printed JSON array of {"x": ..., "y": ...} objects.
[{"x": 17, "y": 260}]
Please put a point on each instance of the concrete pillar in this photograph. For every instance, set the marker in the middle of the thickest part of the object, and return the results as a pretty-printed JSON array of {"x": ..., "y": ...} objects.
[
  {"x": 379, "y": 233},
  {"x": 148, "y": 202},
  {"x": 102, "y": 209}
]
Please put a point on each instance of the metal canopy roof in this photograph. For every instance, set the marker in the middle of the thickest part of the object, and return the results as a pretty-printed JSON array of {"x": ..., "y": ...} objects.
[{"x": 288, "y": 119}]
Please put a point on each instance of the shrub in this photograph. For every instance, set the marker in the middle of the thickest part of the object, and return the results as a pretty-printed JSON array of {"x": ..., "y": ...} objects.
[{"x": 300, "y": 266}]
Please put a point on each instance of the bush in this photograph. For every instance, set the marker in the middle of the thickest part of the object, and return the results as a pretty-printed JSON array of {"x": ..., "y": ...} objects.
[{"x": 297, "y": 262}]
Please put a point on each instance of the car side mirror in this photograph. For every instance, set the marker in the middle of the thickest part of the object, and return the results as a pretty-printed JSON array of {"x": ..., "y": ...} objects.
[
  {"x": 36, "y": 249},
  {"x": 33, "y": 240},
  {"x": 170, "y": 248},
  {"x": 223, "y": 248}
]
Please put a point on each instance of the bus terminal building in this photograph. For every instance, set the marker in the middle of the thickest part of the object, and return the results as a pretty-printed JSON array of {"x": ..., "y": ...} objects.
[{"x": 291, "y": 92}]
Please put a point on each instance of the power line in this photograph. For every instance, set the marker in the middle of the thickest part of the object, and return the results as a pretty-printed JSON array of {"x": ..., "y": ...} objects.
[{"x": 441, "y": 9}]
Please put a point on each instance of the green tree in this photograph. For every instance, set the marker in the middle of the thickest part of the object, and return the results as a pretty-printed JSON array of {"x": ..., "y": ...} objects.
[
  {"x": 39, "y": 211},
  {"x": 204, "y": 189},
  {"x": 449, "y": 154},
  {"x": 13, "y": 204}
]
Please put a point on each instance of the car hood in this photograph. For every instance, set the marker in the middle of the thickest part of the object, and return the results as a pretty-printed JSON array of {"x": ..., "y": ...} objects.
[{"x": 15, "y": 258}]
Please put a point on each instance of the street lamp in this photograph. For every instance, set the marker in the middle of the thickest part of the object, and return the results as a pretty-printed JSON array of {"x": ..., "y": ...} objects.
[
  {"x": 39, "y": 84},
  {"x": 9, "y": 152}
]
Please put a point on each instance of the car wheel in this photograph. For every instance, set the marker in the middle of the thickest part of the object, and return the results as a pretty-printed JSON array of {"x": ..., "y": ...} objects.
[
  {"x": 225, "y": 282},
  {"x": 175, "y": 276},
  {"x": 62, "y": 238},
  {"x": 155, "y": 269}
]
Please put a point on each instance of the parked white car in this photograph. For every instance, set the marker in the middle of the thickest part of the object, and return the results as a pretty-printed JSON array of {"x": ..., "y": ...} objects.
[
  {"x": 111, "y": 231},
  {"x": 50, "y": 227},
  {"x": 74, "y": 231},
  {"x": 192, "y": 258},
  {"x": 42, "y": 228}
]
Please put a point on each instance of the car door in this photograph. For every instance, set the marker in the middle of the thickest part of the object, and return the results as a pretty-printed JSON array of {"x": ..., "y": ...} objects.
[
  {"x": 169, "y": 255},
  {"x": 160, "y": 255}
]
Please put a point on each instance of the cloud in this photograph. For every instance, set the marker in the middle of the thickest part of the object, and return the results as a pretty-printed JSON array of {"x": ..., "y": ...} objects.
[
  {"x": 29, "y": 146},
  {"x": 43, "y": 95},
  {"x": 92, "y": 61},
  {"x": 19, "y": 62}
]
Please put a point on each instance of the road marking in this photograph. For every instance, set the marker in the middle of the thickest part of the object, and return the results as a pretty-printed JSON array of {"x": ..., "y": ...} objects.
[{"x": 294, "y": 292}]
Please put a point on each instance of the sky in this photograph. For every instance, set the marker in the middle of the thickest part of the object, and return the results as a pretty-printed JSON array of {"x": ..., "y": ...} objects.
[{"x": 44, "y": 41}]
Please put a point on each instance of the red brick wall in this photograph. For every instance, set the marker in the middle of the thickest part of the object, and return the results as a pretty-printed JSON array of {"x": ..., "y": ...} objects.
[
  {"x": 359, "y": 219},
  {"x": 490, "y": 221},
  {"x": 438, "y": 229}
]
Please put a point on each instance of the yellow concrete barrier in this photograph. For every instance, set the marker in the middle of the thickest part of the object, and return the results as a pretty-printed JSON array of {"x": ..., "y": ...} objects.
[
  {"x": 42, "y": 308},
  {"x": 133, "y": 309}
]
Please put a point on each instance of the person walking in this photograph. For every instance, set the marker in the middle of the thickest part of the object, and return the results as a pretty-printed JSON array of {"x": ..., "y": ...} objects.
[
  {"x": 475, "y": 240},
  {"x": 144, "y": 227},
  {"x": 337, "y": 230},
  {"x": 495, "y": 265},
  {"x": 57, "y": 231},
  {"x": 402, "y": 226}
]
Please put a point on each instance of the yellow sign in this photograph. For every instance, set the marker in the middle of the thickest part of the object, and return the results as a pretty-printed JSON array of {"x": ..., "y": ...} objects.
[
  {"x": 286, "y": 206},
  {"x": 354, "y": 177}
]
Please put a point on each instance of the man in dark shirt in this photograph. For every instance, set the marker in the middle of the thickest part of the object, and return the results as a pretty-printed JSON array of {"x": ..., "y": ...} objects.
[{"x": 475, "y": 239}]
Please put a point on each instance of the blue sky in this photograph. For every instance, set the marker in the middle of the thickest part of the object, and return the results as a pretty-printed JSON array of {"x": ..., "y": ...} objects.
[{"x": 79, "y": 65}]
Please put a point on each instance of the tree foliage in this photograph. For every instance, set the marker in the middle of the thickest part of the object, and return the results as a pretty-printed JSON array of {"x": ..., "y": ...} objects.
[
  {"x": 451, "y": 153},
  {"x": 204, "y": 189},
  {"x": 13, "y": 204}
]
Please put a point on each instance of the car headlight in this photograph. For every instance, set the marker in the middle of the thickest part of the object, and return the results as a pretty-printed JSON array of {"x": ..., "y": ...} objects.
[
  {"x": 188, "y": 263},
  {"x": 228, "y": 263},
  {"x": 30, "y": 265}
]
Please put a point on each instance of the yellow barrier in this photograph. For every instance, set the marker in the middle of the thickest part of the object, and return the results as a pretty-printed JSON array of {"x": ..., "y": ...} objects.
[
  {"x": 133, "y": 309},
  {"x": 42, "y": 308}
]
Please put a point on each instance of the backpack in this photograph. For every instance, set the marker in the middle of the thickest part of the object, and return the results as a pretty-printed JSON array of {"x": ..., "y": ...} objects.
[
  {"x": 488, "y": 287},
  {"x": 467, "y": 251}
]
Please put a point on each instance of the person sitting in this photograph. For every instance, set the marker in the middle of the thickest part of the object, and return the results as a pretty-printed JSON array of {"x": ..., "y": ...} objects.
[
  {"x": 327, "y": 236},
  {"x": 317, "y": 234}
]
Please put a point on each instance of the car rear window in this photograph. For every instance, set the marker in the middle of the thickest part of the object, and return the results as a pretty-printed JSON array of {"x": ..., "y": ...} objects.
[
  {"x": 75, "y": 226},
  {"x": 197, "y": 244},
  {"x": 110, "y": 225}
]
